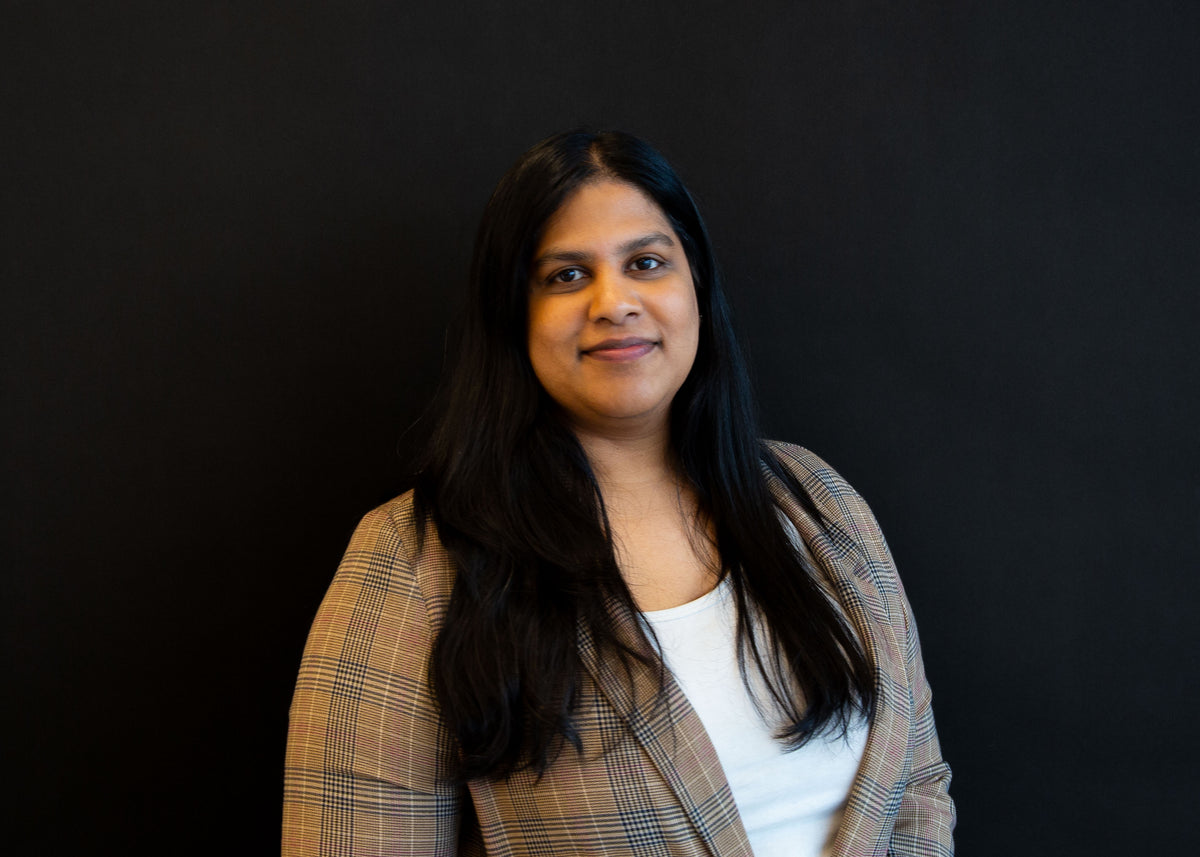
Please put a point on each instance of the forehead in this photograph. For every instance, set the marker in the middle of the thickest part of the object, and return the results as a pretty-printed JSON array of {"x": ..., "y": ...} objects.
[{"x": 601, "y": 212}]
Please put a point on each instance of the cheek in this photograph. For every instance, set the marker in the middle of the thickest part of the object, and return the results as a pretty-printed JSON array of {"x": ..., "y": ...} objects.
[
  {"x": 690, "y": 316},
  {"x": 547, "y": 341},
  {"x": 539, "y": 329},
  {"x": 693, "y": 326}
]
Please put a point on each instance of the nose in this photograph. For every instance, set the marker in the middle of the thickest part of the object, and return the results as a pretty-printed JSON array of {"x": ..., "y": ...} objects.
[{"x": 614, "y": 297}]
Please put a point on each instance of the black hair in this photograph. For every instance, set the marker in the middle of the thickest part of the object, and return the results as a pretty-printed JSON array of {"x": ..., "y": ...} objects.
[{"x": 516, "y": 505}]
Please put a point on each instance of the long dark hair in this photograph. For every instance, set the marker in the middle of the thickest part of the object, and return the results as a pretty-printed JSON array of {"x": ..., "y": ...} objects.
[{"x": 516, "y": 505}]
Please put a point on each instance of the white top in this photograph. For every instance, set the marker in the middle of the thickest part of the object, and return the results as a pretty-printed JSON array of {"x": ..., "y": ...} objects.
[{"x": 790, "y": 803}]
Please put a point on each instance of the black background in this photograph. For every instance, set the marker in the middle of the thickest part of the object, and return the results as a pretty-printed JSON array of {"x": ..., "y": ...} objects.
[{"x": 961, "y": 238}]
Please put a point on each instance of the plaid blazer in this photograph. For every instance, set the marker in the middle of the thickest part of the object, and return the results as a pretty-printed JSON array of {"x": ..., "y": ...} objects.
[{"x": 367, "y": 750}]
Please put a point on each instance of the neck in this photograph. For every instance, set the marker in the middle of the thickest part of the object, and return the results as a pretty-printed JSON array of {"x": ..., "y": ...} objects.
[
  {"x": 629, "y": 463},
  {"x": 663, "y": 543}
]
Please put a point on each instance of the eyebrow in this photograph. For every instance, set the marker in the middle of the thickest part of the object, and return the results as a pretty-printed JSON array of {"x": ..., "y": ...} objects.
[{"x": 556, "y": 255}]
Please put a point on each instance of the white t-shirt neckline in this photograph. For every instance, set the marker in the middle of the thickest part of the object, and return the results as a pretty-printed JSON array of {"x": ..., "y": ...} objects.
[{"x": 790, "y": 802}]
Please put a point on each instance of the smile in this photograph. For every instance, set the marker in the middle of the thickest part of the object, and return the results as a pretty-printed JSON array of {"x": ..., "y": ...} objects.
[{"x": 620, "y": 350}]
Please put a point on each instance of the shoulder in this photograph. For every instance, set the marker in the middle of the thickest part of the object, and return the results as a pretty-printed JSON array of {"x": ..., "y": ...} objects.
[
  {"x": 393, "y": 553},
  {"x": 820, "y": 481},
  {"x": 849, "y": 526},
  {"x": 384, "y": 606},
  {"x": 806, "y": 466}
]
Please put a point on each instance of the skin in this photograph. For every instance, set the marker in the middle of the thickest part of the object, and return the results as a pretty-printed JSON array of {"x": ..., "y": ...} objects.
[
  {"x": 613, "y": 318},
  {"x": 613, "y": 329}
]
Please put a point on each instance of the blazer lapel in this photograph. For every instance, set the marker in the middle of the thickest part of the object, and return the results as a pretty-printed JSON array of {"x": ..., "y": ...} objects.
[{"x": 670, "y": 732}]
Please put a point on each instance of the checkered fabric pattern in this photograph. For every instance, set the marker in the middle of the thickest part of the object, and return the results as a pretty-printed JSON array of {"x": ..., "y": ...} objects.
[{"x": 368, "y": 753}]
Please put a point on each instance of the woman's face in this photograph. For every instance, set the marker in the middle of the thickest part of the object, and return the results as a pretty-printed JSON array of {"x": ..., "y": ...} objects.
[{"x": 613, "y": 318}]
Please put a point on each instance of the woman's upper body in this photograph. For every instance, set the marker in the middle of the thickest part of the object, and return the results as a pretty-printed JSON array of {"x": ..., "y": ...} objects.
[
  {"x": 370, "y": 761},
  {"x": 598, "y": 460}
]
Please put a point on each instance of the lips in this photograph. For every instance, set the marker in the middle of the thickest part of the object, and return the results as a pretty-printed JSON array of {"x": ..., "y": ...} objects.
[{"x": 619, "y": 350}]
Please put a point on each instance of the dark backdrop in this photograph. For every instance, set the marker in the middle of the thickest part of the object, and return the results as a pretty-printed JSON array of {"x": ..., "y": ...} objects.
[{"x": 962, "y": 242}]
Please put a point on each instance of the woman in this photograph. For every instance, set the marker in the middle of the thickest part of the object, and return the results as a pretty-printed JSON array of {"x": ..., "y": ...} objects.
[{"x": 610, "y": 619}]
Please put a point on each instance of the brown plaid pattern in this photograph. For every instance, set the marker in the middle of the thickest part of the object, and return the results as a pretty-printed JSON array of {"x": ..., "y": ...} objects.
[{"x": 367, "y": 751}]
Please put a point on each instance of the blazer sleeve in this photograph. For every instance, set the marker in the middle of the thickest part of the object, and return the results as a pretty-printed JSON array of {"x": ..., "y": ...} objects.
[
  {"x": 366, "y": 752},
  {"x": 926, "y": 817}
]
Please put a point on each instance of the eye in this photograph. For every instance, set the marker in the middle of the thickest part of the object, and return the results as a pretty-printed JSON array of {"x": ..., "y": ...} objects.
[
  {"x": 565, "y": 276},
  {"x": 646, "y": 263}
]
